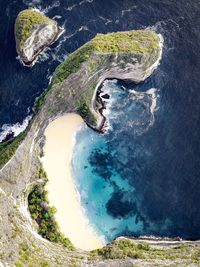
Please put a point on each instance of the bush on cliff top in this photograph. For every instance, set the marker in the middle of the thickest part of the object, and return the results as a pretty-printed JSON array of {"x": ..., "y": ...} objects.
[
  {"x": 25, "y": 22},
  {"x": 139, "y": 41},
  {"x": 120, "y": 249},
  {"x": 44, "y": 214},
  {"x": 123, "y": 248},
  {"x": 136, "y": 41},
  {"x": 7, "y": 149}
]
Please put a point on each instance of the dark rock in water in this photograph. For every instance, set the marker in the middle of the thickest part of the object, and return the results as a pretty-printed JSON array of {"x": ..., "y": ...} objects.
[
  {"x": 9, "y": 136},
  {"x": 106, "y": 96},
  {"x": 118, "y": 208},
  {"x": 33, "y": 33}
]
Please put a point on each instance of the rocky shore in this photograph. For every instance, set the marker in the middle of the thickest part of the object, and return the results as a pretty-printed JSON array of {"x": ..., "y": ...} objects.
[{"x": 33, "y": 33}]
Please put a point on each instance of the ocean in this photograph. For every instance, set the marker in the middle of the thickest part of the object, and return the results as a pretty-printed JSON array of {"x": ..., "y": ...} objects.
[{"x": 143, "y": 176}]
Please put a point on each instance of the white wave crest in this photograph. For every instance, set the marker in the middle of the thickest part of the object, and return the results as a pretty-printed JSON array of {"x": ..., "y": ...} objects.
[
  {"x": 125, "y": 11},
  {"x": 32, "y": 3},
  {"x": 37, "y": 5},
  {"x": 79, "y": 4},
  {"x": 108, "y": 89},
  {"x": 48, "y": 8},
  {"x": 107, "y": 21},
  {"x": 149, "y": 99},
  {"x": 153, "y": 106},
  {"x": 16, "y": 128}
]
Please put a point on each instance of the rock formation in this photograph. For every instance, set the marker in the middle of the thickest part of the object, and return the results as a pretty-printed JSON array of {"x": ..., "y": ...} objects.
[{"x": 33, "y": 33}]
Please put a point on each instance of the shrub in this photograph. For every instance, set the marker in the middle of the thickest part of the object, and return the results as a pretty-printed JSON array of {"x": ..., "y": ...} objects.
[
  {"x": 25, "y": 22},
  {"x": 44, "y": 215},
  {"x": 119, "y": 249},
  {"x": 7, "y": 149}
]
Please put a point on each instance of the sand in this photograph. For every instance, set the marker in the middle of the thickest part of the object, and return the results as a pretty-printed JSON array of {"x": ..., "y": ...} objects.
[{"x": 61, "y": 189}]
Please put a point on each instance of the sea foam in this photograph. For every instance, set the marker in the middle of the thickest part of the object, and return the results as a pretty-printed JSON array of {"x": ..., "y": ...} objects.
[{"x": 16, "y": 128}]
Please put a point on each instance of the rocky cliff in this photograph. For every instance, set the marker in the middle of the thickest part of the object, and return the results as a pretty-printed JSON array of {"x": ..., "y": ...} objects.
[
  {"x": 130, "y": 56},
  {"x": 33, "y": 33}
]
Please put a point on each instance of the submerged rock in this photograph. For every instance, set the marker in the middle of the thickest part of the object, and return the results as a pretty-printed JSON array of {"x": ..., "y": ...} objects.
[{"x": 33, "y": 33}]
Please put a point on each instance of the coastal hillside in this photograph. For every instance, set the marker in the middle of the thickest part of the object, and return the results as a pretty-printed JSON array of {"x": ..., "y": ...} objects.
[{"x": 30, "y": 235}]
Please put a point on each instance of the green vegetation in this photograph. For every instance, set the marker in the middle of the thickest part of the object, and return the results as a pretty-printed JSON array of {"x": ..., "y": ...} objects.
[
  {"x": 120, "y": 249},
  {"x": 196, "y": 256},
  {"x": 123, "y": 248},
  {"x": 7, "y": 149},
  {"x": 43, "y": 214},
  {"x": 64, "y": 70},
  {"x": 140, "y": 41},
  {"x": 73, "y": 63},
  {"x": 83, "y": 102},
  {"x": 25, "y": 22},
  {"x": 28, "y": 258},
  {"x": 40, "y": 101}
]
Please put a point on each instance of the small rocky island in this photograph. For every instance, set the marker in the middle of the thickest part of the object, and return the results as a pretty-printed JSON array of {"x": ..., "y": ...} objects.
[
  {"x": 130, "y": 56},
  {"x": 33, "y": 33}
]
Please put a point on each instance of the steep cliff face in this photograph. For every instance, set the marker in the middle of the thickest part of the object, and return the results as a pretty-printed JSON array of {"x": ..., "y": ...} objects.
[
  {"x": 33, "y": 33},
  {"x": 129, "y": 56}
]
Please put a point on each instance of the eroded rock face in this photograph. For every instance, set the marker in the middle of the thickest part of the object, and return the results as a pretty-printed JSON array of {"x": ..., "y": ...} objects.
[{"x": 33, "y": 33}]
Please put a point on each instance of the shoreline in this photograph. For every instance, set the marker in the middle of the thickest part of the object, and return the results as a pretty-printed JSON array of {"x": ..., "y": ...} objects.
[
  {"x": 31, "y": 63},
  {"x": 60, "y": 31},
  {"x": 62, "y": 193},
  {"x": 101, "y": 125}
]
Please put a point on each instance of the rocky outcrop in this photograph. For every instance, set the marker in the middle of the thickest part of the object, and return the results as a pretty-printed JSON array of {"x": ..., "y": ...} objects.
[
  {"x": 33, "y": 33},
  {"x": 130, "y": 56}
]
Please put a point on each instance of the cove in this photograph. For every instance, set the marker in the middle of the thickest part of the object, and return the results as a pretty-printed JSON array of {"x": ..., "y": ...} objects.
[{"x": 125, "y": 187}]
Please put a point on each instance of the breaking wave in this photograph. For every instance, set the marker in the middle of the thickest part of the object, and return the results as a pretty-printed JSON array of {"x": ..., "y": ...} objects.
[
  {"x": 15, "y": 129},
  {"x": 138, "y": 107}
]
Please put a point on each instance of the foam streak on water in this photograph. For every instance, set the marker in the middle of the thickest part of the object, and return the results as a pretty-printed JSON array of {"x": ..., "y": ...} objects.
[{"x": 114, "y": 107}]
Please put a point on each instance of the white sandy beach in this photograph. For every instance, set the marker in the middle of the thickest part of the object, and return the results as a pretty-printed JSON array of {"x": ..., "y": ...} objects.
[{"x": 62, "y": 193}]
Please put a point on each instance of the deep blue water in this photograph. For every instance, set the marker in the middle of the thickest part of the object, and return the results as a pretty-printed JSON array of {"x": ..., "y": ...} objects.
[{"x": 143, "y": 176}]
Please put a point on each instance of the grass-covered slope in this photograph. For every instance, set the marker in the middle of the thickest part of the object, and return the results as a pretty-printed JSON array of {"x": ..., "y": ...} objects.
[
  {"x": 136, "y": 41},
  {"x": 7, "y": 149},
  {"x": 25, "y": 23},
  {"x": 140, "y": 41},
  {"x": 43, "y": 214},
  {"x": 157, "y": 255}
]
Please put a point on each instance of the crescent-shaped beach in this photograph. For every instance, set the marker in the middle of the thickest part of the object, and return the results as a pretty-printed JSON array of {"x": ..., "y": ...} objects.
[{"x": 61, "y": 188}]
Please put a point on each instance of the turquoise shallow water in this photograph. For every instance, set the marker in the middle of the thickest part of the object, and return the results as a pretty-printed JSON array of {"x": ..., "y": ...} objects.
[
  {"x": 106, "y": 194},
  {"x": 94, "y": 190}
]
